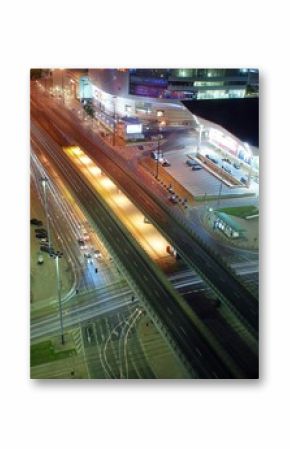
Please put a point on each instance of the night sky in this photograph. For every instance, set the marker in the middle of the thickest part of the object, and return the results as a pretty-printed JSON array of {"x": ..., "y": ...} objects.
[{"x": 239, "y": 116}]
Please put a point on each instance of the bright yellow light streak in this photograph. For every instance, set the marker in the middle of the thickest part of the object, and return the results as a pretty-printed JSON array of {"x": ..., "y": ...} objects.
[
  {"x": 95, "y": 170},
  {"x": 77, "y": 151},
  {"x": 86, "y": 160},
  {"x": 107, "y": 183},
  {"x": 145, "y": 233}
]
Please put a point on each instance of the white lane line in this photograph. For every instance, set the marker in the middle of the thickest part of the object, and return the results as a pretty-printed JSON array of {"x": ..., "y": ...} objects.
[
  {"x": 167, "y": 308},
  {"x": 182, "y": 330}
]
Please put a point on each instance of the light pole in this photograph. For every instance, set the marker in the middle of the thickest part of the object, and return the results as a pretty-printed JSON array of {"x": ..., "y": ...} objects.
[
  {"x": 221, "y": 186},
  {"x": 44, "y": 182},
  {"x": 200, "y": 129},
  {"x": 56, "y": 255},
  {"x": 114, "y": 105},
  {"x": 157, "y": 161},
  {"x": 63, "y": 97},
  {"x": 250, "y": 154}
]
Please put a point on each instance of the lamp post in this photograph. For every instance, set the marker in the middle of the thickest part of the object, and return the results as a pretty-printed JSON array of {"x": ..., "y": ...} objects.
[
  {"x": 158, "y": 153},
  {"x": 63, "y": 97},
  {"x": 200, "y": 129},
  {"x": 44, "y": 182},
  {"x": 114, "y": 105},
  {"x": 250, "y": 154},
  {"x": 221, "y": 186},
  {"x": 56, "y": 255}
]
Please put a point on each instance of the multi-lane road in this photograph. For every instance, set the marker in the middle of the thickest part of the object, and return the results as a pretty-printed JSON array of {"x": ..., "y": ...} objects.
[
  {"x": 205, "y": 355},
  {"x": 190, "y": 246}
]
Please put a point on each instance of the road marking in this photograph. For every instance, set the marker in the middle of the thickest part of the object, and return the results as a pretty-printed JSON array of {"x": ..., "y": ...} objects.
[
  {"x": 198, "y": 351},
  {"x": 182, "y": 330}
]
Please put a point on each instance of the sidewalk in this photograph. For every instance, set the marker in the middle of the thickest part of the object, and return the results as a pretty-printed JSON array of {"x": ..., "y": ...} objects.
[{"x": 43, "y": 277}]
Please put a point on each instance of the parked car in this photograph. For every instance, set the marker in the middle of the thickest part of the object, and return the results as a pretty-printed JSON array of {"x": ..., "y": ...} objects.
[
  {"x": 170, "y": 189},
  {"x": 46, "y": 249},
  {"x": 166, "y": 163},
  {"x": 211, "y": 158},
  {"x": 227, "y": 160},
  {"x": 140, "y": 147},
  {"x": 227, "y": 169},
  {"x": 196, "y": 167},
  {"x": 190, "y": 162},
  {"x": 243, "y": 180},
  {"x": 40, "y": 235},
  {"x": 237, "y": 165},
  {"x": 40, "y": 230},
  {"x": 36, "y": 222}
]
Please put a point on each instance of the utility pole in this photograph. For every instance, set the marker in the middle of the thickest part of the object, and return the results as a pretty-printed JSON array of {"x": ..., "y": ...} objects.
[
  {"x": 44, "y": 182},
  {"x": 157, "y": 161},
  {"x": 199, "y": 139},
  {"x": 56, "y": 256},
  {"x": 114, "y": 135},
  {"x": 220, "y": 189}
]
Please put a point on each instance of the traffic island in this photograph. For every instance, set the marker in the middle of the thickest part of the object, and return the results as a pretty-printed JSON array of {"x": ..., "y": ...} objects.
[{"x": 43, "y": 275}]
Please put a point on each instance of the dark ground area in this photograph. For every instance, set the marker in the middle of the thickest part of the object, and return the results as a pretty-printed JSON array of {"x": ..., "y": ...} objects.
[{"x": 239, "y": 116}]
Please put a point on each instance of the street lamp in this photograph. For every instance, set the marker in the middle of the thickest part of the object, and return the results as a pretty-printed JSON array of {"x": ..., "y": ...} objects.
[
  {"x": 157, "y": 160},
  {"x": 44, "y": 182},
  {"x": 56, "y": 255},
  {"x": 114, "y": 105},
  {"x": 221, "y": 186},
  {"x": 250, "y": 154},
  {"x": 200, "y": 129}
]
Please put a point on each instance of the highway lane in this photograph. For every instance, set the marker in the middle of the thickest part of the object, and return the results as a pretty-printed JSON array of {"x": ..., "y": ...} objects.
[
  {"x": 209, "y": 266},
  {"x": 184, "y": 332}
]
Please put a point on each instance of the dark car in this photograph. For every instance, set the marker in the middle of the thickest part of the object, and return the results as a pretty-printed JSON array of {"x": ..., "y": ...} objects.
[
  {"x": 211, "y": 158},
  {"x": 45, "y": 248},
  {"x": 243, "y": 180},
  {"x": 36, "y": 222},
  {"x": 40, "y": 230},
  {"x": 40, "y": 236},
  {"x": 166, "y": 163},
  {"x": 196, "y": 167},
  {"x": 227, "y": 169},
  {"x": 140, "y": 147},
  {"x": 226, "y": 159}
]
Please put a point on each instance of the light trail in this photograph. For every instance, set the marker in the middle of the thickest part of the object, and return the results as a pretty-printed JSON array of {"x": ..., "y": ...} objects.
[{"x": 145, "y": 233}]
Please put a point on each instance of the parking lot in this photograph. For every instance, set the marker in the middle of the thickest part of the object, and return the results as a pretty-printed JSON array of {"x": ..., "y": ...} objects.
[{"x": 200, "y": 182}]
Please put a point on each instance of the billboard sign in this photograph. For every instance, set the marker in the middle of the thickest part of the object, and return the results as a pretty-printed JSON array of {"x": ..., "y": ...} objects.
[
  {"x": 223, "y": 141},
  {"x": 135, "y": 128}
]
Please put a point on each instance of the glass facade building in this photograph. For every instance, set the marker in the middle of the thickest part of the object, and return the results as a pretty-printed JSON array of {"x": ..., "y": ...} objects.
[{"x": 189, "y": 84}]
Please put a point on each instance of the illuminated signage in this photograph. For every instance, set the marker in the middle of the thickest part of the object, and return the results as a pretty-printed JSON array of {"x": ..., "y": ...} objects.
[
  {"x": 223, "y": 140},
  {"x": 134, "y": 129}
]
